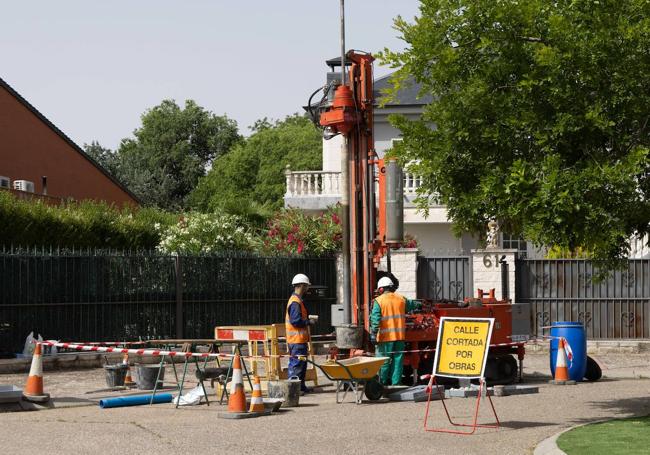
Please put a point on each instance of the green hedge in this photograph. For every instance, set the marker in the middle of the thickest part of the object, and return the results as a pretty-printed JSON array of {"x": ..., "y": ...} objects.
[{"x": 85, "y": 224}]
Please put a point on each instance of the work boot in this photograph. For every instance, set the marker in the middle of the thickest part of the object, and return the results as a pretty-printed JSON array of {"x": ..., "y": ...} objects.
[{"x": 304, "y": 389}]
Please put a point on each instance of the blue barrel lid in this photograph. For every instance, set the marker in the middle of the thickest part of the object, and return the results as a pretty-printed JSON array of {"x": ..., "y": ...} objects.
[{"x": 567, "y": 325}]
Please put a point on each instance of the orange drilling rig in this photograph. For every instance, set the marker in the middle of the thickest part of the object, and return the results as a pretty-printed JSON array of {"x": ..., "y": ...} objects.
[{"x": 373, "y": 224}]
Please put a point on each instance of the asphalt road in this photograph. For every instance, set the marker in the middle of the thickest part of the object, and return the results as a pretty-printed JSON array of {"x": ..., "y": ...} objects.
[{"x": 319, "y": 425}]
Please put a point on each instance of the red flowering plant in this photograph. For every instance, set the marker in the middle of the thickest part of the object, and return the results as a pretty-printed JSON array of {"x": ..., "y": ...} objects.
[
  {"x": 409, "y": 241},
  {"x": 292, "y": 231}
]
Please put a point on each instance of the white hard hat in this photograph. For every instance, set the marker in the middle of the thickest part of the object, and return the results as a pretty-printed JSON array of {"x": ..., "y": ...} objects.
[
  {"x": 384, "y": 282},
  {"x": 300, "y": 279}
]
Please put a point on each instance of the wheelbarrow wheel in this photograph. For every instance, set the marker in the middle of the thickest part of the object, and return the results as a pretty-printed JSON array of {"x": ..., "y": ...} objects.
[{"x": 373, "y": 390}]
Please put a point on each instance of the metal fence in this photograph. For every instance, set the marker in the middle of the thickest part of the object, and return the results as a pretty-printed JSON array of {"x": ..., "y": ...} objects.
[
  {"x": 566, "y": 290},
  {"x": 114, "y": 296},
  {"x": 444, "y": 278}
]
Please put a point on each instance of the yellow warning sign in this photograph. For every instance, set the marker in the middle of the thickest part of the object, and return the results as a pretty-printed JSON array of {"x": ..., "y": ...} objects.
[{"x": 462, "y": 347}]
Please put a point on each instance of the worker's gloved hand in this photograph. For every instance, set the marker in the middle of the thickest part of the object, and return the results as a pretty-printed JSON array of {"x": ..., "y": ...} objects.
[
  {"x": 373, "y": 338},
  {"x": 311, "y": 322}
]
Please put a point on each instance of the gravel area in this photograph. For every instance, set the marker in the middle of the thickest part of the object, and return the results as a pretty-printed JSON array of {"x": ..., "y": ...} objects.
[{"x": 319, "y": 425}]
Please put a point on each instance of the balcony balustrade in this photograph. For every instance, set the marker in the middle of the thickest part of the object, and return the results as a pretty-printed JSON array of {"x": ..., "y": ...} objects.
[{"x": 327, "y": 183}]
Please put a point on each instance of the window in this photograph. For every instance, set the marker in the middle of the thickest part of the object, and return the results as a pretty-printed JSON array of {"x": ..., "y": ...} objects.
[{"x": 516, "y": 243}]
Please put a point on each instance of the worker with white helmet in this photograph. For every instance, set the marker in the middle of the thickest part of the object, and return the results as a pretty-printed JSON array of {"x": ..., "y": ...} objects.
[
  {"x": 297, "y": 324},
  {"x": 388, "y": 329}
]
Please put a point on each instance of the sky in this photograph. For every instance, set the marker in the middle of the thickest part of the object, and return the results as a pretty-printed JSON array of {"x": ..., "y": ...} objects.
[{"x": 93, "y": 67}]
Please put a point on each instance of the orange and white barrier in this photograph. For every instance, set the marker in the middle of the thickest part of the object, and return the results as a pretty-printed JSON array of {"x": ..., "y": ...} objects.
[
  {"x": 227, "y": 334},
  {"x": 33, "y": 390}
]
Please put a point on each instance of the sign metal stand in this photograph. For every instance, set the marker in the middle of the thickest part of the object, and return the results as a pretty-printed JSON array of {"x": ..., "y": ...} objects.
[{"x": 461, "y": 343}]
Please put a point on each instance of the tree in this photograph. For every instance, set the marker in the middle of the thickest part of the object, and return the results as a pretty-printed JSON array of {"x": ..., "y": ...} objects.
[
  {"x": 171, "y": 151},
  {"x": 250, "y": 180},
  {"x": 105, "y": 157},
  {"x": 541, "y": 114}
]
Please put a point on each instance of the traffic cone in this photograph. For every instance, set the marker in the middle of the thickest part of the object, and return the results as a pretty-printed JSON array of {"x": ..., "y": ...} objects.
[
  {"x": 33, "y": 390},
  {"x": 561, "y": 369},
  {"x": 257, "y": 403},
  {"x": 128, "y": 380},
  {"x": 237, "y": 398}
]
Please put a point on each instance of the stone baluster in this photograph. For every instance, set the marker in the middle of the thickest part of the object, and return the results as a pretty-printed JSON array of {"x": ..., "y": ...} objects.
[{"x": 288, "y": 181}]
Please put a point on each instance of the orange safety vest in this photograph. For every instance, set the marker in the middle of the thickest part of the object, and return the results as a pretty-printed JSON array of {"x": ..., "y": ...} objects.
[
  {"x": 392, "y": 326},
  {"x": 296, "y": 335}
]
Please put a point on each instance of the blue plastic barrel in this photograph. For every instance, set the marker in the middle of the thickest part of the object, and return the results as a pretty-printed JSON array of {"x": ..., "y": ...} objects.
[{"x": 574, "y": 332}]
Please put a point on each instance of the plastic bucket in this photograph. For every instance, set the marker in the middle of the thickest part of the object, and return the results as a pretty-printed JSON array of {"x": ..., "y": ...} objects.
[
  {"x": 349, "y": 336},
  {"x": 288, "y": 390},
  {"x": 115, "y": 374},
  {"x": 575, "y": 334},
  {"x": 147, "y": 375}
]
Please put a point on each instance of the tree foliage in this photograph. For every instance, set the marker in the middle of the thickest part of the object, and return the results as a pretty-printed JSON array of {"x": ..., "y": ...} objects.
[
  {"x": 541, "y": 116},
  {"x": 171, "y": 151},
  {"x": 250, "y": 180},
  {"x": 105, "y": 157}
]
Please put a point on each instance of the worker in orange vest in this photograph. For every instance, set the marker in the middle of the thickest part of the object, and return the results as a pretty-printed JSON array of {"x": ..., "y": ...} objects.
[
  {"x": 297, "y": 324},
  {"x": 388, "y": 329}
]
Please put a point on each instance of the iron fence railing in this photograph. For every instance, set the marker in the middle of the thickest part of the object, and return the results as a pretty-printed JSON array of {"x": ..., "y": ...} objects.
[
  {"x": 93, "y": 295},
  {"x": 568, "y": 290},
  {"x": 446, "y": 278}
]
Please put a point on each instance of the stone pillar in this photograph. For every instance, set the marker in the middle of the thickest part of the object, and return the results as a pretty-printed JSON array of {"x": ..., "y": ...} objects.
[
  {"x": 486, "y": 270},
  {"x": 339, "y": 278},
  {"x": 404, "y": 265}
]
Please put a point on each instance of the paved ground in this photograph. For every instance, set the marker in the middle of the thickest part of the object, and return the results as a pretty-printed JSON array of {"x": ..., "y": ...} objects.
[{"x": 319, "y": 425}]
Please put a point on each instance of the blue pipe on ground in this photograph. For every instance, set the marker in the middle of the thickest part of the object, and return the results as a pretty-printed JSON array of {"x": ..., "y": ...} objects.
[{"x": 135, "y": 400}]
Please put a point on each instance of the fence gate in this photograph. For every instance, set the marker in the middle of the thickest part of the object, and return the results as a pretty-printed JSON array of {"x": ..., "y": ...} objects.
[
  {"x": 566, "y": 290},
  {"x": 441, "y": 278}
]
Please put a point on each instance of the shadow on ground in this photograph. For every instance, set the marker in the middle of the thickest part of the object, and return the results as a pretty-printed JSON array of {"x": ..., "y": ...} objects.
[{"x": 622, "y": 407}]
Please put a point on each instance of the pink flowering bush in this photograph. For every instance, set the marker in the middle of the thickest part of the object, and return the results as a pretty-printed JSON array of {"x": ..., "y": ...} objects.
[{"x": 292, "y": 231}]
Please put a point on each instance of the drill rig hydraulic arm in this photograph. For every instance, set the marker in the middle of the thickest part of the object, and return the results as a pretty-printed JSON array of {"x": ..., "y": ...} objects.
[{"x": 351, "y": 115}]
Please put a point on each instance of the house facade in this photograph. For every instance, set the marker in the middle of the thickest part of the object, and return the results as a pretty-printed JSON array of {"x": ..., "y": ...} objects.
[{"x": 38, "y": 160}]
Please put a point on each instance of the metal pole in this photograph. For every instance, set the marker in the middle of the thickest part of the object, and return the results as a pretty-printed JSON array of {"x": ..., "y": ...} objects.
[
  {"x": 345, "y": 228},
  {"x": 345, "y": 196},
  {"x": 179, "y": 298},
  {"x": 342, "y": 42},
  {"x": 505, "y": 291}
]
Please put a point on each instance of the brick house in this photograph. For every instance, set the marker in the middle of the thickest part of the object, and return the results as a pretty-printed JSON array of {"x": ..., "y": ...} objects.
[{"x": 33, "y": 149}]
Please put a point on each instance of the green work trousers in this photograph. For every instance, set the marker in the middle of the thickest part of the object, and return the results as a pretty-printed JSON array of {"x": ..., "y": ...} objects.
[{"x": 391, "y": 371}]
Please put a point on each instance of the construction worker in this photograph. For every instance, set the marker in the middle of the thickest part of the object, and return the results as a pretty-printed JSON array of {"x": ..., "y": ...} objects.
[
  {"x": 388, "y": 329},
  {"x": 297, "y": 324}
]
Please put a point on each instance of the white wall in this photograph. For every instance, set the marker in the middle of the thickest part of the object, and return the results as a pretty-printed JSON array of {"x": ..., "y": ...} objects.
[
  {"x": 404, "y": 265},
  {"x": 332, "y": 154},
  {"x": 434, "y": 239},
  {"x": 486, "y": 271}
]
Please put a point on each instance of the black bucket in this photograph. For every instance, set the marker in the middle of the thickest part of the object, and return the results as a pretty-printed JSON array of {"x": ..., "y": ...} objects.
[
  {"x": 115, "y": 374},
  {"x": 147, "y": 375}
]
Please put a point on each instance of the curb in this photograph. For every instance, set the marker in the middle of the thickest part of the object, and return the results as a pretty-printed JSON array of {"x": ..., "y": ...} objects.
[{"x": 549, "y": 445}]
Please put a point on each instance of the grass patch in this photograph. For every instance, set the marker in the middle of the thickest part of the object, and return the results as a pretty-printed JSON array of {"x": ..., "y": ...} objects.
[{"x": 624, "y": 436}]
